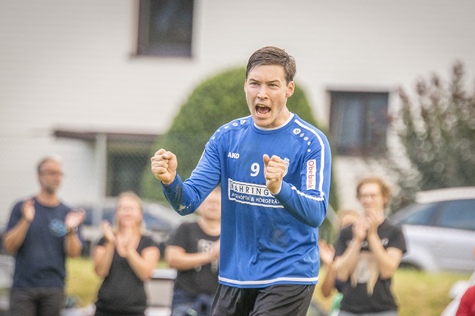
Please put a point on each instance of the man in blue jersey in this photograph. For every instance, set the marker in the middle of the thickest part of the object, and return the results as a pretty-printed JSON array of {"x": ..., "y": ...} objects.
[
  {"x": 274, "y": 172},
  {"x": 41, "y": 232}
]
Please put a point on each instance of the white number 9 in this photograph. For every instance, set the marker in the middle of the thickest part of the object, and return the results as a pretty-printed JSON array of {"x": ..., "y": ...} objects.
[{"x": 255, "y": 168}]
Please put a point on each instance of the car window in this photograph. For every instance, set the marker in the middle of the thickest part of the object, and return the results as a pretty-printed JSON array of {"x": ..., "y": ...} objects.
[
  {"x": 458, "y": 214},
  {"x": 419, "y": 214},
  {"x": 152, "y": 222},
  {"x": 109, "y": 214},
  {"x": 88, "y": 218}
]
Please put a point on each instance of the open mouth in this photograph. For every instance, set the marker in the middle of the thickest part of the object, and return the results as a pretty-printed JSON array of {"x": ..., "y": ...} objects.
[{"x": 262, "y": 110}]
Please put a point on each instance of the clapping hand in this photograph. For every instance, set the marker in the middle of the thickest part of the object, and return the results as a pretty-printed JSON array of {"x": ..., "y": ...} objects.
[
  {"x": 74, "y": 218},
  {"x": 28, "y": 210},
  {"x": 327, "y": 252},
  {"x": 107, "y": 232}
]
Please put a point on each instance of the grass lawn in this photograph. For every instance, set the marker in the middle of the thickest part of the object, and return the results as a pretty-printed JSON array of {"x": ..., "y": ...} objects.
[
  {"x": 418, "y": 293},
  {"x": 81, "y": 281}
]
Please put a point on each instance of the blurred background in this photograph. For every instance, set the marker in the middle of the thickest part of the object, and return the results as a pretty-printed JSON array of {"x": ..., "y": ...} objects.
[
  {"x": 105, "y": 83},
  {"x": 99, "y": 82}
]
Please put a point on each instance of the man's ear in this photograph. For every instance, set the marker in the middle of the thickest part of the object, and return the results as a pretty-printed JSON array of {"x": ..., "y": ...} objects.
[{"x": 290, "y": 89}]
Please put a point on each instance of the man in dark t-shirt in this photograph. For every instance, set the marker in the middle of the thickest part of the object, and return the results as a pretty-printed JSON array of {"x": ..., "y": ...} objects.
[
  {"x": 41, "y": 233},
  {"x": 194, "y": 252}
]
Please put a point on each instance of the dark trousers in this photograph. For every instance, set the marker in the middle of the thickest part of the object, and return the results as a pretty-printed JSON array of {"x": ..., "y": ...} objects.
[
  {"x": 185, "y": 305},
  {"x": 36, "y": 301}
]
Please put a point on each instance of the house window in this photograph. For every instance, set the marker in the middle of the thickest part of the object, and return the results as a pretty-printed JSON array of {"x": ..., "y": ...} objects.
[
  {"x": 125, "y": 171},
  {"x": 358, "y": 122},
  {"x": 128, "y": 156},
  {"x": 165, "y": 28}
]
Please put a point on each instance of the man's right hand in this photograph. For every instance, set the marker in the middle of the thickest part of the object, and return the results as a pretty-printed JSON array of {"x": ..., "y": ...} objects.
[
  {"x": 28, "y": 210},
  {"x": 163, "y": 165}
]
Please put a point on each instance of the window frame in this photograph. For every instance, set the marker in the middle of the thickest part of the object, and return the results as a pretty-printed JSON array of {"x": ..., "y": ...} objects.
[
  {"x": 371, "y": 138},
  {"x": 145, "y": 46}
]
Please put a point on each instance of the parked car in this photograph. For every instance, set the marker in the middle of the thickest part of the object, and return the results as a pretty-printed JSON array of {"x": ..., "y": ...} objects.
[
  {"x": 440, "y": 230},
  {"x": 160, "y": 220}
]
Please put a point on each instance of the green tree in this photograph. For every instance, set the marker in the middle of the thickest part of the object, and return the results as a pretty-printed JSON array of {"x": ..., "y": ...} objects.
[
  {"x": 436, "y": 137},
  {"x": 214, "y": 102}
]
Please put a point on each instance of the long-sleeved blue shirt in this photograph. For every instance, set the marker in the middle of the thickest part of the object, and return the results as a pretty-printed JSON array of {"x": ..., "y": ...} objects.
[{"x": 265, "y": 239}]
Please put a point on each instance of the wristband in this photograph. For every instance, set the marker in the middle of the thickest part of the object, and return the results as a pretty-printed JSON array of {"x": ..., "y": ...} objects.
[{"x": 72, "y": 231}]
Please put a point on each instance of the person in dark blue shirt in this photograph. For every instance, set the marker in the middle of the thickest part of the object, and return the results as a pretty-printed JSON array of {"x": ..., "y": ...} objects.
[{"x": 41, "y": 232}]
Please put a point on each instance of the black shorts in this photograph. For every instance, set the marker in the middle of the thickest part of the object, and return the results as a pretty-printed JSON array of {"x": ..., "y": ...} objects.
[{"x": 281, "y": 300}]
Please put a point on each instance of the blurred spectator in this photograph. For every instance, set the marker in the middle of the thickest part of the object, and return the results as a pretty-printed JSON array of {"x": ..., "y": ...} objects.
[
  {"x": 327, "y": 253},
  {"x": 41, "y": 232},
  {"x": 462, "y": 290},
  {"x": 368, "y": 253},
  {"x": 125, "y": 258},
  {"x": 194, "y": 252},
  {"x": 467, "y": 303}
]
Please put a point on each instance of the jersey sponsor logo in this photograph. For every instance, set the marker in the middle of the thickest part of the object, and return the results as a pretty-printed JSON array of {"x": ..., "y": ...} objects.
[
  {"x": 311, "y": 174},
  {"x": 233, "y": 155},
  {"x": 250, "y": 193}
]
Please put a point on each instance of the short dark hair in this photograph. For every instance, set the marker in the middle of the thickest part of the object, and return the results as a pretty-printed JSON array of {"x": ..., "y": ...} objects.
[
  {"x": 46, "y": 159},
  {"x": 271, "y": 55}
]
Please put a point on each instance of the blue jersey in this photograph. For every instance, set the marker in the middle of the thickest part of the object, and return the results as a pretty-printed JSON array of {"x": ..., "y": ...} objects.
[{"x": 265, "y": 239}]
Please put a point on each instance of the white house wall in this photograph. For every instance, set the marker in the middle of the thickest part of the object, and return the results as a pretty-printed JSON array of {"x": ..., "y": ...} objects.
[{"x": 70, "y": 64}]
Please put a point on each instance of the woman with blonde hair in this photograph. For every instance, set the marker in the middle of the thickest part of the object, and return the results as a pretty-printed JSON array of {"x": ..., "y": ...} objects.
[{"x": 125, "y": 258}]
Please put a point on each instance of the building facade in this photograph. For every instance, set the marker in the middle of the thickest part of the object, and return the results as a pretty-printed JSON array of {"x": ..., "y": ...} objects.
[{"x": 96, "y": 81}]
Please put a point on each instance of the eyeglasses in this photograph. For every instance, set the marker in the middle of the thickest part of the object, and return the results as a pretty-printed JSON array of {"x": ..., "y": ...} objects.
[
  {"x": 53, "y": 173},
  {"x": 368, "y": 196}
]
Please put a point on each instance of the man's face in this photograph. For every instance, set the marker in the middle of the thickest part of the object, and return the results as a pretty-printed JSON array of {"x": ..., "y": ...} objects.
[
  {"x": 371, "y": 198},
  {"x": 50, "y": 176},
  {"x": 266, "y": 94}
]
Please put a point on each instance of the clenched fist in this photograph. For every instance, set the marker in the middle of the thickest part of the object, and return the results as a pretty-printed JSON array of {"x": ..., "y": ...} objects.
[{"x": 163, "y": 165}]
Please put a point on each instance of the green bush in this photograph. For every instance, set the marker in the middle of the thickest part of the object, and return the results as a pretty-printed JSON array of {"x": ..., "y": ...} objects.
[{"x": 436, "y": 133}]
